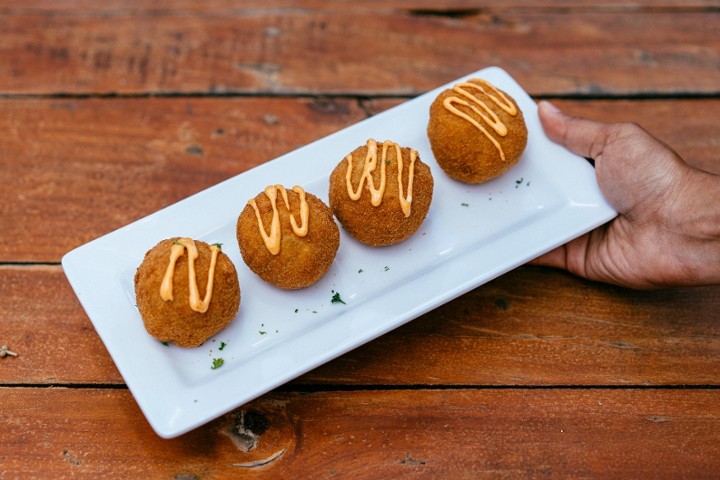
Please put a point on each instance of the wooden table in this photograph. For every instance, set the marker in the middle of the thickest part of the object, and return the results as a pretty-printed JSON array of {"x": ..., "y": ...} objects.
[{"x": 110, "y": 111}]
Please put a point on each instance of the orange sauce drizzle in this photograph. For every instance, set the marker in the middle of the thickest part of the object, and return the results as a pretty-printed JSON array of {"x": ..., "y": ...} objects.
[
  {"x": 273, "y": 239},
  {"x": 371, "y": 164},
  {"x": 481, "y": 108},
  {"x": 177, "y": 251}
]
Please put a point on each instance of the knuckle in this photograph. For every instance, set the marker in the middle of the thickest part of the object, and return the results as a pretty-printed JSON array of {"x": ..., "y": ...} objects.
[{"x": 628, "y": 129}]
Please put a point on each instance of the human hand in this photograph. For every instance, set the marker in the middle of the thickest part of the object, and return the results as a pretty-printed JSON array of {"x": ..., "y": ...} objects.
[{"x": 667, "y": 232}]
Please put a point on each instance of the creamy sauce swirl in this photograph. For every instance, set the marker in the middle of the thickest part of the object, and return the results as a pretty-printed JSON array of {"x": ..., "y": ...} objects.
[
  {"x": 371, "y": 164},
  {"x": 483, "y": 113},
  {"x": 273, "y": 239},
  {"x": 177, "y": 251}
]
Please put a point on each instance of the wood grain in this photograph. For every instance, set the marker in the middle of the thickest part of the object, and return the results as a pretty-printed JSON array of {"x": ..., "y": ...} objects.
[
  {"x": 46, "y": 325},
  {"x": 536, "y": 326},
  {"x": 111, "y": 111},
  {"x": 356, "y": 51},
  {"x": 456, "y": 7},
  {"x": 691, "y": 127},
  {"x": 455, "y": 433},
  {"x": 89, "y": 166},
  {"x": 524, "y": 328}
]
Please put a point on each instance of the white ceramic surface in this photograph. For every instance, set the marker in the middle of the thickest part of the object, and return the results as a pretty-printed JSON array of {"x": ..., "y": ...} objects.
[{"x": 472, "y": 234}]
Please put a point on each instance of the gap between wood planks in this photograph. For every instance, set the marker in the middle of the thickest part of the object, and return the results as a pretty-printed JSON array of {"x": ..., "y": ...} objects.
[
  {"x": 359, "y": 97},
  {"x": 459, "y": 12},
  {"x": 323, "y": 388}
]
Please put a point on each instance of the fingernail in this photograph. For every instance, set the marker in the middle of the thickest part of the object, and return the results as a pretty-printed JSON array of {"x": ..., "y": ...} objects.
[{"x": 549, "y": 107}]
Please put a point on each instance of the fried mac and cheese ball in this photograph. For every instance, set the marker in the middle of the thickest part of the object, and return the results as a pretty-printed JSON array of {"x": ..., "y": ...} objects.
[
  {"x": 186, "y": 291},
  {"x": 476, "y": 131},
  {"x": 287, "y": 237},
  {"x": 381, "y": 193}
]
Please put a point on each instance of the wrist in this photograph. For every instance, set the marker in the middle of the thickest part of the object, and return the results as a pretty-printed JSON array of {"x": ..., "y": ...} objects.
[
  {"x": 702, "y": 215},
  {"x": 698, "y": 216}
]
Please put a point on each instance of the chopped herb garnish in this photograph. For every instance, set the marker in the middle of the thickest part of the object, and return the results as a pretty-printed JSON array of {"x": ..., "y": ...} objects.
[
  {"x": 296, "y": 310},
  {"x": 219, "y": 245},
  {"x": 217, "y": 363},
  {"x": 262, "y": 332},
  {"x": 167, "y": 344},
  {"x": 336, "y": 298},
  {"x": 222, "y": 345},
  {"x": 387, "y": 268},
  {"x": 360, "y": 271},
  {"x": 465, "y": 204}
]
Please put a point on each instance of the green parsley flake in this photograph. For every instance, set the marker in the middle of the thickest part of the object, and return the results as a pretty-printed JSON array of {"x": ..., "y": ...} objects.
[
  {"x": 217, "y": 363},
  {"x": 387, "y": 268},
  {"x": 465, "y": 204},
  {"x": 336, "y": 298},
  {"x": 222, "y": 345},
  {"x": 262, "y": 332}
]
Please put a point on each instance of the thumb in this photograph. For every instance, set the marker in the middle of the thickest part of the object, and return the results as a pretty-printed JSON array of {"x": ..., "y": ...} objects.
[{"x": 579, "y": 135}]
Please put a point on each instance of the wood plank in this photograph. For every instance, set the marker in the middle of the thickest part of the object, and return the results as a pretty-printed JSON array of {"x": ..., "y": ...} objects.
[
  {"x": 46, "y": 326},
  {"x": 578, "y": 433},
  {"x": 356, "y": 51},
  {"x": 89, "y": 166},
  {"x": 690, "y": 126},
  {"x": 685, "y": 126},
  {"x": 532, "y": 326},
  {"x": 96, "y": 6},
  {"x": 537, "y": 326},
  {"x": 535, "y": 374}
]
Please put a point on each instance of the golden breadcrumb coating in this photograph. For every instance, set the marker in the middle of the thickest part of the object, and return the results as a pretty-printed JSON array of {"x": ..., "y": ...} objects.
[
  {"x": 174, "y": 321},
  {"x": 461, "y": 148},
  {"x": 386, "y": 223},
  {"x": 302, "y": 260}
]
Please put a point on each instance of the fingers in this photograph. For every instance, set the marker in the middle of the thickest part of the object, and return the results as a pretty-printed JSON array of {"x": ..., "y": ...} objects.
[
  {"x": 579, "y": 135},
  {"x": 577, "y": 256},
  {"x": 556, "y": 258}
]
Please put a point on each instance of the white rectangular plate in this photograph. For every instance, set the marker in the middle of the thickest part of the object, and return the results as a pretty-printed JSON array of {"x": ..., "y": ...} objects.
[{"x": 472, "y": 234}]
